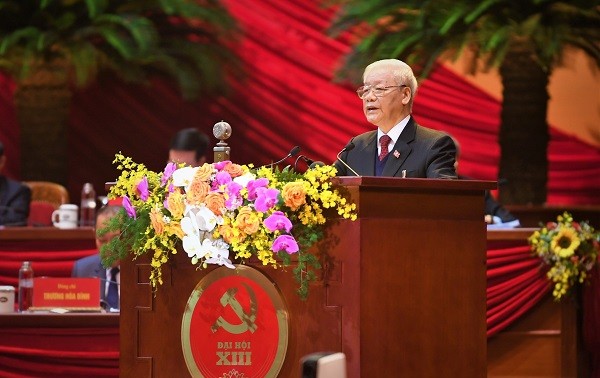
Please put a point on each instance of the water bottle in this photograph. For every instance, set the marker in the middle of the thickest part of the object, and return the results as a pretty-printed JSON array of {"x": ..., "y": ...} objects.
[
  {"x": 87, "y": 210},
  {"x": 25, "y": 286}
]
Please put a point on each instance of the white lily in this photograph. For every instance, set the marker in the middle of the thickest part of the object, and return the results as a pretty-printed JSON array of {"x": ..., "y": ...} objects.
[
  {"x": 202, "y": 217},
  {"x": 219, "y": 253},
  {"x": 191, "y": 241},
  {"x": 184, "y": 176},
  {"x": 244, "y": 179},
  {"x": 206, "y": 219}
]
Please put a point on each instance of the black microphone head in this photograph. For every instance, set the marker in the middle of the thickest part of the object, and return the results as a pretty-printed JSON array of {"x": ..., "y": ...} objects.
[
  {"x": 315, "y": 164},
  {"x": 350, "y": 146},
  {"x": 308, "y": 160},
  {"x": 295, "y": 151}
]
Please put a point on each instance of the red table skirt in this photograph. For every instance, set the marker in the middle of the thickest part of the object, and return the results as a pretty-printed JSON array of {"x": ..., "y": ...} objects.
[{"x": 59, "y": 352}]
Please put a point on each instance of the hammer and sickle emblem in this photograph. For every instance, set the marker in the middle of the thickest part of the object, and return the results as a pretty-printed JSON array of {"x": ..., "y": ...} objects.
[{"x": 246, "y": 320}]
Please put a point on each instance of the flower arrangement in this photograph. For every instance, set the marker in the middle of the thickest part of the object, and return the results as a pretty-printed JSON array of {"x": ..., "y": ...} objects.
[
  {"x": 570, "y": 249},
  {"x": 221, "y": 211}
]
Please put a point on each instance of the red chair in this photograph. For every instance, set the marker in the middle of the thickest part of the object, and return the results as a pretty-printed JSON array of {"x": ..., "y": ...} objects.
[
  {"x": 40, "y": 214},
  {"x": 45, "y": 198}
]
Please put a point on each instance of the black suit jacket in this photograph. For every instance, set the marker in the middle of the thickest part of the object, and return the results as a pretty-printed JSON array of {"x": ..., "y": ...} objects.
[
  {"x": 14, "y": 202},
  {"x": 419, "y": 151}
]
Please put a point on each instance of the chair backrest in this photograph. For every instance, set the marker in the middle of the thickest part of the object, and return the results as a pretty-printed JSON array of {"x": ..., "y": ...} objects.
[
  {"x": 46, "y": 191},
  {"x": 40, "y": 213},
  {"x": 324, "y": 365}
]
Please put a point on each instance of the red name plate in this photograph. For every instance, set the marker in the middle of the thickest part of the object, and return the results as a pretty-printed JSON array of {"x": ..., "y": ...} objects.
[{"x": 67, "y": 293}]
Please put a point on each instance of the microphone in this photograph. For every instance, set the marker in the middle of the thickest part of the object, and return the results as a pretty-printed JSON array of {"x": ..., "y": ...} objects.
[
  {"x": 316, "y": 164},
  {"x": 310, "y": 162},
  {"x": 108, "y": 281},
  {"x": 104, "y": 304},
  {"x": 293, "y": 152},
  {"x": 350, "y": 146}
]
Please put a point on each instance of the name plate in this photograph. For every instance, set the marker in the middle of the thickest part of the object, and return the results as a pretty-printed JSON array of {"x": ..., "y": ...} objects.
[{"x": 73, "y": 294}]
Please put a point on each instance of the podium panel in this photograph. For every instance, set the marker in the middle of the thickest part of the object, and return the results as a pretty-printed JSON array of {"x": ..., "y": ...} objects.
[{"x": 401, "y": 292}]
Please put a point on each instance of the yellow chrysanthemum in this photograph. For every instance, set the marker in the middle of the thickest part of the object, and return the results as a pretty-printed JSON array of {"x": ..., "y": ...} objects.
[
  {"x": 570, "y": 249},
  {"x": 565, "y": 242}
]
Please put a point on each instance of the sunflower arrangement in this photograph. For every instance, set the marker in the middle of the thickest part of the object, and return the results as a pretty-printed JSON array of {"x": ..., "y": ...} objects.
[
  {"x": 570, "y": 250},
  {"x": 222, "y": 212}
]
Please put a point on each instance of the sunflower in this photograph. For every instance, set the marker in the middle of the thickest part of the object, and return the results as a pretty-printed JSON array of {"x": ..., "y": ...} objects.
[{"x": 565, "y": 242}]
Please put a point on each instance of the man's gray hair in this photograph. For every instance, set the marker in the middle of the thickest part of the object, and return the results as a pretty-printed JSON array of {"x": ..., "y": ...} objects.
[{"x": 402, "y": 73}]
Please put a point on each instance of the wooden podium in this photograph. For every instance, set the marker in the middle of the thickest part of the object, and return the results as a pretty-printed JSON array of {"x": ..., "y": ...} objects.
[{"x": 402, "y": 292}]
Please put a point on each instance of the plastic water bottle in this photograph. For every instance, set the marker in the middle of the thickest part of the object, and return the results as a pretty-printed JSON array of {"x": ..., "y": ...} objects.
[
  {"x": 87, "y": 210},
  {"x": 25, "y": 286}
]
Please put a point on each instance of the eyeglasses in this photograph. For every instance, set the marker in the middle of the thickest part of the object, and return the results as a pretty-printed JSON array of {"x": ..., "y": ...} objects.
[{"x": 363, "y": 91}]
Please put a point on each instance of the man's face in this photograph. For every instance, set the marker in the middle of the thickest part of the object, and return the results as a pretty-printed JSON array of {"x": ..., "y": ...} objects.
[
  {"x": 387, "y": 110},
  {"x": 187, "y": 157}
]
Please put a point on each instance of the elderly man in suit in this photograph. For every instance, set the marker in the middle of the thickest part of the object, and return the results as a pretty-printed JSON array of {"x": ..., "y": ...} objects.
[
  {"x": 14, "y": 198},
  {"x": 91, "y": 266},
  {"x": 399, "y": 147}
]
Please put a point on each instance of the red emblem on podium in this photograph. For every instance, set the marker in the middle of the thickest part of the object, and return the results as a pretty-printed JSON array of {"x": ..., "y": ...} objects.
[{"x": 235, "y": 325}]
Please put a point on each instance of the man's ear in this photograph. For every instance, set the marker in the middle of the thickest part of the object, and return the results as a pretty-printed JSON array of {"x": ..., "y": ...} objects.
[{"x": 407, "y": 95}]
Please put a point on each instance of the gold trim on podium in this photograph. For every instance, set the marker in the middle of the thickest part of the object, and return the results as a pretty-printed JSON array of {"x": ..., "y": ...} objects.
[{"x": 270, "y": 289}]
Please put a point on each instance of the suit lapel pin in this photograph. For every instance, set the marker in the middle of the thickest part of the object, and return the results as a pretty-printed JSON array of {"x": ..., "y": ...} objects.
[{"x": 396, "y": 154}]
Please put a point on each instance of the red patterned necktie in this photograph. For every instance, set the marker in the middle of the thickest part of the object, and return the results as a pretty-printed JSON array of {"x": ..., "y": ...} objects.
[{"x": 385, "y": 141}]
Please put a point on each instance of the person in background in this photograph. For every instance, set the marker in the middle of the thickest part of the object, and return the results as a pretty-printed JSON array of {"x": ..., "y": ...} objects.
[
  {"x": 189, "y": 146},
  {"x": 14, "y": 198},
  {"x": 91, "y": 266},
  {"x": 399, "y": 147},
  {"x": 496, "y": 215}
]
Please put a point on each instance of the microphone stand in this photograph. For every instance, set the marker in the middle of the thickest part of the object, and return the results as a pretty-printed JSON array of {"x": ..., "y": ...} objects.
[
  {"x": 307, "y": 160},
  {"x": 348, "y": 147},
  {"x": 294, "y": 151}
]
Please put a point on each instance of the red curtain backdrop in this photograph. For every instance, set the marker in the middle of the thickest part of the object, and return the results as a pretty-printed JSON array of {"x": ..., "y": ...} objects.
[{"x": 287, "y": 98}]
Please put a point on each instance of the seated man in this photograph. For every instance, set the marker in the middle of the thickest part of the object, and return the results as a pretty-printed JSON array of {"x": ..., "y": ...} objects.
[
  {"x": 496, "y": 215},
  {"x": 189, "y": 146},
  {"x": 14, "y": 198},
  {"x": 91, "y": 266}
]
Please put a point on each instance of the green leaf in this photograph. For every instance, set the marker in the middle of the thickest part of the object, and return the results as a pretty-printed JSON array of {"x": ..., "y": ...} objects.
[
  {"x": 138, "y": 29},
  {"x": 84, "y": 61},
  {"x": 405, "y": 44},
  {"x": 96, "y": 7},
  {"x": 479, "y": 10},
  {"x": 12, "y": 40},
  {"x": 454, "y": 17}
]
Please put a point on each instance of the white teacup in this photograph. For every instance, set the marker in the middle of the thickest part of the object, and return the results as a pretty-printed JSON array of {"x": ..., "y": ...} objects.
[
  {"x": 7, "y": 299},
  {"x": 65, "y": 216}
]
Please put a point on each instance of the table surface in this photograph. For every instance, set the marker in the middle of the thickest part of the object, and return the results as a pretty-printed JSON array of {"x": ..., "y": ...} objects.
[
  {"x": 45, "y": 233},
  {"x": 53, "y": 233},
  {"x": 511, "y": 234},
  {"x": 51, "y": 320}
]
